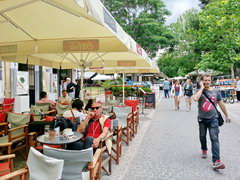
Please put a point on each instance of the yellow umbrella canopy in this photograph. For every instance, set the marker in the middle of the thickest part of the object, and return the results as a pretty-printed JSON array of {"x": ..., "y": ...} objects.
[
  {"x": 58, "y": 26},
  {"x": 65, "y": 34}
]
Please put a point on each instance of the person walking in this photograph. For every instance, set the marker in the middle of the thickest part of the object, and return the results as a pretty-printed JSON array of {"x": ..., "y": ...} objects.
[
  {"x": 70, "y": 88},
  {"x": 166, "y": 88},
  {"x": 176, "y": 92},
  {"x": 238, "y": 88},
  {"x": 208, "y": 119},
  {"x": 77, "y": 88},
  {"x": 188, "y": 92}
]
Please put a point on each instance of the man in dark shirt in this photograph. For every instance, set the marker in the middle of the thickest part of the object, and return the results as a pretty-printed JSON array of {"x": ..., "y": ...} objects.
[
  {"x": 70, "y": 88},
  {"x": 208, "y": 119}
]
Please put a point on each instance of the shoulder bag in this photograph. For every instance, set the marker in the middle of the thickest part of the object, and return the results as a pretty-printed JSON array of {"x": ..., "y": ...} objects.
[{"x": 220, "y": 118}]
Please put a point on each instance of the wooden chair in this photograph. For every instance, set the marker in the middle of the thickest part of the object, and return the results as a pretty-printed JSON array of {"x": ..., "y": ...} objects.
[
  {"x": 125, "y": 119},
  {"x": 7, "y": 105},
  {"x": 61, "y": 108},
  {"x": 22, "y": 174},
  {"x": 75, "y": 161},
  {"x": 117, "y": 143},
  {"x": 6, "y": 161},
  {"x": 135, "y": 120},
  {"x": 18, "y": 133},
  {"x": 106, "y": 155}
]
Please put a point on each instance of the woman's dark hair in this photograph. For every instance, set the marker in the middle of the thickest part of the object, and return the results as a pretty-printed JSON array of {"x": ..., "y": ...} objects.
[
  {"x": 43, "y": 94},
  {"x": 78, "y": 104},
  {"x": 89, "y": 104}
]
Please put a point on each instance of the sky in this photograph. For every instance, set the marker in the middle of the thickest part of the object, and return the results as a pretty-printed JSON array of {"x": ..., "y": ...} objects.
[{"x": 178, "y": 7}]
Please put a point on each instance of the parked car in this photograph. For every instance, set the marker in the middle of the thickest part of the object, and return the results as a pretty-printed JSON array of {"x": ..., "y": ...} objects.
[{"x": 144, "y": 84}]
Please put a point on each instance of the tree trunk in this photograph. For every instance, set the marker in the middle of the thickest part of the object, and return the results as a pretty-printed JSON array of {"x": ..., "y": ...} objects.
[{"x": 232, "y": 70}]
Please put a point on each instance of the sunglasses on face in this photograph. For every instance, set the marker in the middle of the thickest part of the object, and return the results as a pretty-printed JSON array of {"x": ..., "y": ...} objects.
[{"x": 92, "y": 108}]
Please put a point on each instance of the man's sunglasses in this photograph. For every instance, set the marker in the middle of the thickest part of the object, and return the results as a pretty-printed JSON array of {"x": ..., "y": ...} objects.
[{"x": 92, "y": 108}]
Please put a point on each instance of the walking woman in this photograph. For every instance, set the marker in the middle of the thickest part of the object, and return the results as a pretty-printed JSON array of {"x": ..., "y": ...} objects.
[
  {"x": 176, "y": 92},
  {"x": 188, "y": 92}
]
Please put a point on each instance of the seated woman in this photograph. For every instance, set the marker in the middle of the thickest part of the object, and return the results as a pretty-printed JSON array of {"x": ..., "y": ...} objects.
[
  {"x": 44, "y": 99},
  {"x": 76, "y": 111}
]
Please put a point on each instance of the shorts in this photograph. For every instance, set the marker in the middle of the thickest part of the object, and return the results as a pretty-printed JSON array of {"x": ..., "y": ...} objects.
[{"x": 177, "y": 93}]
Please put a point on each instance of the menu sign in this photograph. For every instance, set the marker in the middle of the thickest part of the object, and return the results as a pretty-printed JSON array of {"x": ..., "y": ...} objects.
[
  {"x": 150, "y": 100},
  {"x": 81, "y": 45}
]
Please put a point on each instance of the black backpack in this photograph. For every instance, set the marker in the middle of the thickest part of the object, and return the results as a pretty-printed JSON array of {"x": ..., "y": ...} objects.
[{"x": 63, "y": 123}]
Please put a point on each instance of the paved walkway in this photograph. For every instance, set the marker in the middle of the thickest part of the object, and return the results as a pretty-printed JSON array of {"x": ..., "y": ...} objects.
[{"x": 167, "y": 147}]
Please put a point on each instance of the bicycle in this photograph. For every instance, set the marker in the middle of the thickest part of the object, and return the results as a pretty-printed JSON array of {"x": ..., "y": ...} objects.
[{"x": 228, "y": 95}]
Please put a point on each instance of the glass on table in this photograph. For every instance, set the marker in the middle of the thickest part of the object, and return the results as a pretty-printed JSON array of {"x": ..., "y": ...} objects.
[{"x": 46, "y": 129}]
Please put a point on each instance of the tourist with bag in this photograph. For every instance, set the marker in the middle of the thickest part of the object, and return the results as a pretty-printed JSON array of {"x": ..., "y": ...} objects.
[{"x": 208, "y": 118}]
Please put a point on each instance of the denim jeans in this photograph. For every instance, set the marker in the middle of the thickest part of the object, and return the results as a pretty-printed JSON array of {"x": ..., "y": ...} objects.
[
  {"x": 212, "y": 126},
  {"x": 166, "y": 93},
  {"x": 79, "y": 145}
]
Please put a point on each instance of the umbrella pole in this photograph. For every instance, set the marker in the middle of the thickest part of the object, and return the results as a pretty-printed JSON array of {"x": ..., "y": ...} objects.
[
  {"x": 82, "y": 78},
  {"x": 123, "y": 88}
]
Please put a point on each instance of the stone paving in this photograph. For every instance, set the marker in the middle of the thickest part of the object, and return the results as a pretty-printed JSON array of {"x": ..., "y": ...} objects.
[{"x": 167, "y": 147}]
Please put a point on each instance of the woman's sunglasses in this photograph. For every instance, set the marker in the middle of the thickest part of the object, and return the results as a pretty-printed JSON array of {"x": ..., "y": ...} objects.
[{"x": 92, "y": 108}]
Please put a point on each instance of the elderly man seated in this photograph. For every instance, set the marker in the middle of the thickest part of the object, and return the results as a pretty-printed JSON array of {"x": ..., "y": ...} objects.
[
  {"x": 95, "y": 127},
  {"x": 64, "y": 99}
]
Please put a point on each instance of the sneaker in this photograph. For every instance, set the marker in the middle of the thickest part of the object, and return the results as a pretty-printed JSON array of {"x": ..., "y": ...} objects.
[
  {"x": 204, "y": 154},
  {"x": 218, "y": 165}
]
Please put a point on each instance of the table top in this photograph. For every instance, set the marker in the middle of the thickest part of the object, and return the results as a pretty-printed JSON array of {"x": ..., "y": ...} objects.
[{"x": 61, "y": 140}]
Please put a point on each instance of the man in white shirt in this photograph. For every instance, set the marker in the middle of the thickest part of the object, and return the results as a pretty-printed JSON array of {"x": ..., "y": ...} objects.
[{"x": 238, "y": 88}]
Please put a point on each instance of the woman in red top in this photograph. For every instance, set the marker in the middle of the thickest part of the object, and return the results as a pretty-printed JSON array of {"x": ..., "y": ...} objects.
[
  {"x": 92, "y": 130},
  {"x": 176, "y": 92}
]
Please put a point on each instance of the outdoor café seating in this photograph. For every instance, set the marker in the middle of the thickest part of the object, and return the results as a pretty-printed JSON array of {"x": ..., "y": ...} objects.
[
  {"x": 125, "y": 116},
  {"x": 106, "y": 164},
  {"x": 39, "y": 167},
  {"x": 117, "y": 141},
  {"x": 75, "y": 161},
  {"x": 6, "y": 161},
  {"x": 61, "y": 108},
  {"x": 17, "y": 134},
  {"x": 7, "y": 105}
]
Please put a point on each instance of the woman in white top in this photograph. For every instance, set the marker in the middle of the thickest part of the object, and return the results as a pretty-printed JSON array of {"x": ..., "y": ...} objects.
[{"x": 76, "y": 112}]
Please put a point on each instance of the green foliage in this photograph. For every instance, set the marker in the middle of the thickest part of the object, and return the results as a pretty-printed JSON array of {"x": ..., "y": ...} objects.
[
  {"x": 106, "y": 84},
  {"x": 209, "y": 39},
  {"x": 183, "y": 58},
  {"x": 219, "y": 33},
  {"x": 144, "y": 21}
]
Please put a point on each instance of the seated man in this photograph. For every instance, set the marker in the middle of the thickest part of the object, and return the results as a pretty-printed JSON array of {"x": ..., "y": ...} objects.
[
  {"x": 64, "y": 99},
  {"x": 43, "y": 99},
  {"x": 95, "y": 127}
]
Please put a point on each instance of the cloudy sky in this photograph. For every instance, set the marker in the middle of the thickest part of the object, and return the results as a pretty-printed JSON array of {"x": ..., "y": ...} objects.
[{"x": 178, "y": 7}]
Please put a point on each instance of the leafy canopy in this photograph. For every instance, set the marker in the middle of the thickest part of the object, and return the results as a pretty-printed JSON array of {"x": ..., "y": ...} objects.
[{"x": 144, "y": 21}]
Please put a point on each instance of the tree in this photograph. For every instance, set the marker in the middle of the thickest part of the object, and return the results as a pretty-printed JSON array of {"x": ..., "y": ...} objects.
[
  {"x": 185, "y": 55},
  {"x": 219, "y": 35},
  {"x": 144, "y": 21}
]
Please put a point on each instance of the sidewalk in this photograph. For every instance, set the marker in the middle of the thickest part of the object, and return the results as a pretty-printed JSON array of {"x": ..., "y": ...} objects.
[{"x": 167, "y": 147}]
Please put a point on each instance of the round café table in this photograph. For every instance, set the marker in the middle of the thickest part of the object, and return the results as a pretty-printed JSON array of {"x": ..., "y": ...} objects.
[{"x": 61, "y": 140}]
